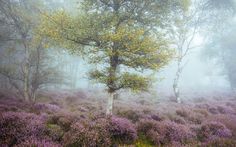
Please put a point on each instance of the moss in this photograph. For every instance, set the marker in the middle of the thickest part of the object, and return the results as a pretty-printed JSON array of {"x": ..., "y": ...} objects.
[{"x": 142, "y": 141}]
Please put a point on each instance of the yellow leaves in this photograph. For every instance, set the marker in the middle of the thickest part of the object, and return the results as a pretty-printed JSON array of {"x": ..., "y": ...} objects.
[
  {"x": 186, "y": 4},
  {"x": 134, "y": 82}
]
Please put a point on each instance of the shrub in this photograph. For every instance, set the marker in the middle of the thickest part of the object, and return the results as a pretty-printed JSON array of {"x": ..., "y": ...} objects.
[
  {"x": 178, "y": 120},
  {"x": 55, "y": 132},
  {"x": 122, "y": 130},
  {"x": 213, "y": 130},
  {"x": 228, "y": 120},
  {"x": 132, "y": 115},
  {"x": 196, "y": 118},
  {"x": 145, "y": 125},
  {"x": 49, "y": 108},
  {"x": 32, "y": 142},
  {"x": 164, "y": 132},
  {"x": 213, "y": 110},
  {"x": 63, "y": 119},
  {"x": 220, "y": 143},
  {"x": 88, "y": 134},
  {"x": 204, "y": 112},
  {"x": 156, "y": 117},
  {"x": 225, "y": 110},
  {"x": 189, "y": 115},
  {"x": 18, "y": 126},
  {"x": 183, "y": 113}
]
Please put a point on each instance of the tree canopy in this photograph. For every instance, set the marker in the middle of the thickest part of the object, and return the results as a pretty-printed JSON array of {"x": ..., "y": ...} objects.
[{"x": 116, "y": 35}]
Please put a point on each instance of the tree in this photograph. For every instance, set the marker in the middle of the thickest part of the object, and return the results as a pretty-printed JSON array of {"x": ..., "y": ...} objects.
[
  {"x": 221, "y": 46},
  {"x": 222, "y": 49},
  {"x": 118, "y": 37},
  {"x": 199, "y": 16},
  {"x": 23, "y": 55}
]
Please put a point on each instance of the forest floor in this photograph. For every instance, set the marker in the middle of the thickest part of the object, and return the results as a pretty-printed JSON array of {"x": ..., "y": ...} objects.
[{"x": 77, "y": 119}]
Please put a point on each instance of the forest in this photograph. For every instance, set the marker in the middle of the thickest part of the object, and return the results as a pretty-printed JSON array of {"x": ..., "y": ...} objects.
[{"x": 117, "y": 73}]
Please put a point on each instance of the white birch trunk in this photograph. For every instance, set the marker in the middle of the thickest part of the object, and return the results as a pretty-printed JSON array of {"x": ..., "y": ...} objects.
[
  {"x": 176, "y": 83},
  {"x": 110, "y": 104}
]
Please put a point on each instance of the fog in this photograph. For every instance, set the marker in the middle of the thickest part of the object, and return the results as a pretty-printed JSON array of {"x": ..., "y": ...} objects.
[{"x": 117, "y": 73}]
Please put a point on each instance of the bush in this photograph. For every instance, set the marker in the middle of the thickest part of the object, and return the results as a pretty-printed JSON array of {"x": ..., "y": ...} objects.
[
  {"x": 225, "y": 110},
  {"x": 132, "y": 115},
  {"x": 55, "y": 132},
  {"x": 213, "y": 130},
  {"x": 156, "y": 117},
  {"x": 178, "y": 120},
  {"x": 227, "y": 120},
  {"x": 183, "y": 113},
  {"x": 164, "y": 132},
  {"x": 122, "y": 130},
  {"x": 32, "y": 142},
  {"x": 191, "y": 116},
  {"x": 204, "y": 112},
  {"x": 63, "y": 119},
  {"x": 49, "y": 108},
  {"x": 18, "y": 126},
  {"x": 88, "y": 134},
  {"x": 213, "y": 110},
  {"x": 220, "y": 143}
]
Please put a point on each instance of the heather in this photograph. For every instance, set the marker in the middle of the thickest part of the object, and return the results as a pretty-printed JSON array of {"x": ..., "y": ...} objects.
[{"x": 52, "y": 122}]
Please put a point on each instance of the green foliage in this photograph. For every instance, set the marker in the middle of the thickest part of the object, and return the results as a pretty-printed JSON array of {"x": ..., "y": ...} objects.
[{"x": 116, "y": 36}]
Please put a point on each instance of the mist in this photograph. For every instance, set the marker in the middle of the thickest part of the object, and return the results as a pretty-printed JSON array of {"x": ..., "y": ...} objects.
[{"x": 105, "y": 73}]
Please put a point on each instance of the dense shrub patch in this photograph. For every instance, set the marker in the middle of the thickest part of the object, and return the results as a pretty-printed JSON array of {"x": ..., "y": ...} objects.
[
  {"x": 50, "y": 125},
  {"x": 122, "y": 130},
  {"x": 164, "y": 132},
  {"x": 32, "y": 142},
  {"x": 89, "y": 134},
  {"x": 18, "y": 126},
  {"x": 213, "y": 130}
]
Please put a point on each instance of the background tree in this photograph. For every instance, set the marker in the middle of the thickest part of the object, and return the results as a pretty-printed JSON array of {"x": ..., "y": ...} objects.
[
  {"x": 118, "y": 37},
  {"x": 220, "y": 46},
  {"x": 24, "y": 60},
  {"x": 199, "y": 18},
  {"x": 222, "y": 50}
]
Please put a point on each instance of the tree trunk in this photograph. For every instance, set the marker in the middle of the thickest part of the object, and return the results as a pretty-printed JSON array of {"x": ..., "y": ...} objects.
[
  {"x": 176, "y": 83},
  {"x": 110, "y": 104},
  {"x": 34, "y": 96},
  {"x": 26, "y": 72},
  {"x": 26, "y": 82}
]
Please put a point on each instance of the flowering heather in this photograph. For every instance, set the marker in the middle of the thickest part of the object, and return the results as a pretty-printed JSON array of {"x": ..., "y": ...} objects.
[
  {"x": 195, "y": 117},
  {"x": 228, "y": 120},
  {"x": 18, "y": 126},
  {"x": 15, "y": 105},
  {"x": 130, "y": 114},
  {"x": 32, "y": 142},
  {"x": 164, "y": 132},
  {"x": 46, "y": 107},
  {"x": 225, "y": 110},
  {"x": 213, "y": 130},
  {"x": 220, "y": 143},
  {"x": 63, "y": 119},
  {"x": 89, "y": 134},
  {"x": 122, "y": 130}
]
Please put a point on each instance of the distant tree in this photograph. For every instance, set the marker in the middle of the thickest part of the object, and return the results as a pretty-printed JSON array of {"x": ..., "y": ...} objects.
[
  {"x": 221, "y": 44},
  {"x": 118, "y": 37},
  {"x": 223, "y": 50},
  {"x": 23, "y": 58},
  {"x": 200, "y": 17}
]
